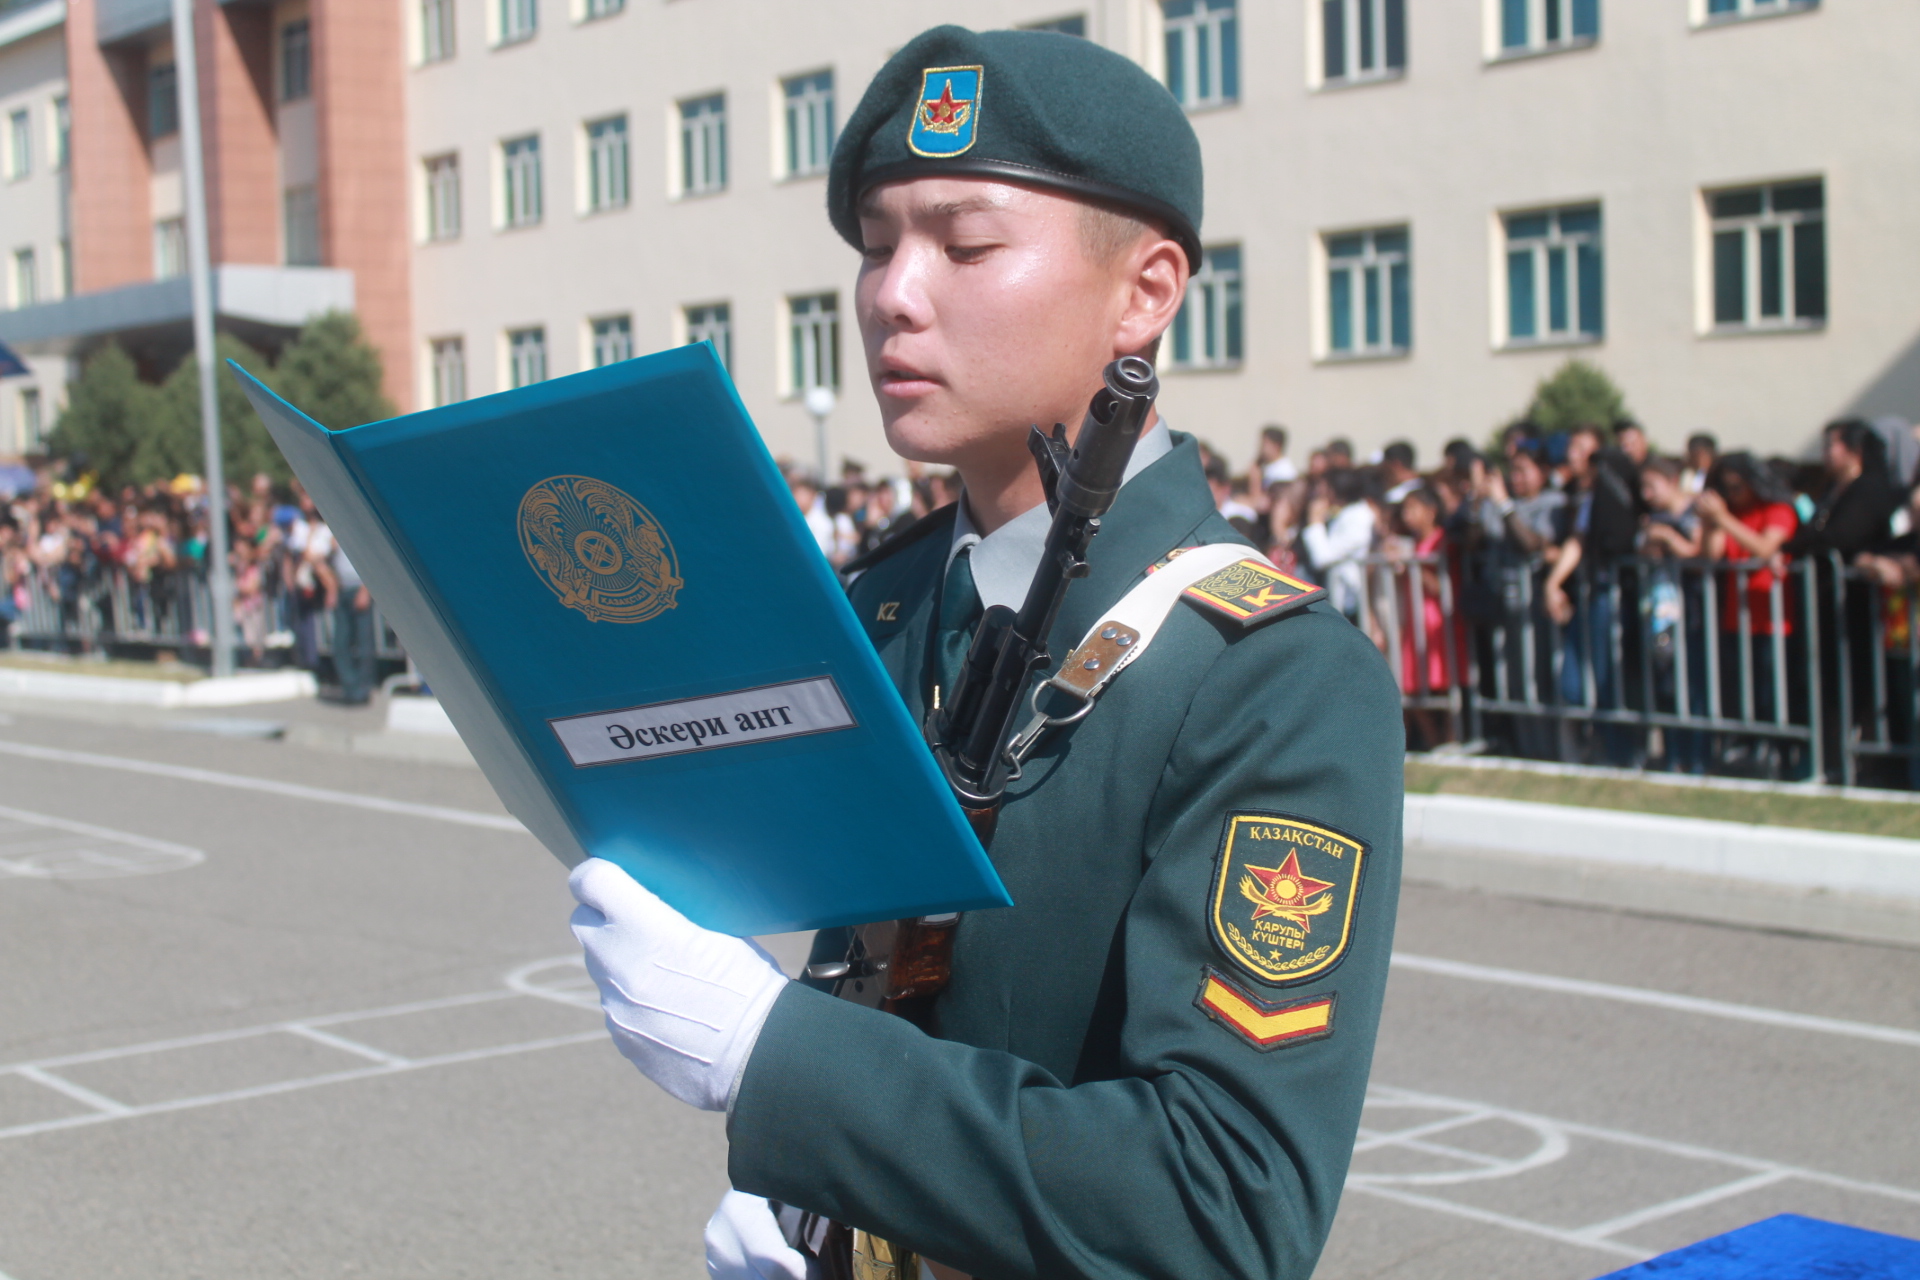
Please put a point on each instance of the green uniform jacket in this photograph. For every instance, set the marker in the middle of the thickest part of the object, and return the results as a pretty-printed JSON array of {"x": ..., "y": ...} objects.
[{"x": 1078, "y": 1112}]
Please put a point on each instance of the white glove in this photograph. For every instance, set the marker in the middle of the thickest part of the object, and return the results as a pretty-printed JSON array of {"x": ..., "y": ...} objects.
[
  {"x": 683, "y": 1004},
  {"x": 745, "y": 1242}
]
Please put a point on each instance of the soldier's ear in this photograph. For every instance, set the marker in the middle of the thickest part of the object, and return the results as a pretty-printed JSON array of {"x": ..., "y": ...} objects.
[{"x": 1156, "y": 281}]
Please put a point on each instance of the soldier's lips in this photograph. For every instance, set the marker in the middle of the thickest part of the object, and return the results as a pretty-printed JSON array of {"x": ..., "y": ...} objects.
[{"x": 905, "y": 384}]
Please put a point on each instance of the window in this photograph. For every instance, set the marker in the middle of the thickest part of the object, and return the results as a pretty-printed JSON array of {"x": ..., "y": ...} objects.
[
  {"x": 33, "y": 424},
  {"x": 62, "y": 133},
  {"x": 519, "y": 20},
  {"x": 1554, "y": 287},
  {"x": 1076, "y": 25},
  {"x": 296, "y": 61},
  {"x": 1729, "y": 10},
  {"x": 1769, "y": 256},
  {"x": 527, "y": 356},
  {"x": 1362, "y": 39},
  {"x": 814, "y": 328},
  {"x": 1528, "y": 26},
  {"x": 713, "y": 323},
  {"x": 520, "y": 188},
  {"x": 443, "y": 197},
  {"x": 19, "y": 144},
  {"x": 703, "y": 145},
  {"x": 449, "y": 370},
  {"x": 607, "y": 182},
  {"x": 1203, "y": 51},
  {"x": 612, "y": 340},
  {"x": 1369, "y": 293},
  {"x": 1207, "y": 330},
  {"x": 602, "y": 8},
  {"x": 26, "y": 278},
  {"x": 436, "y": 30},
  {"x": 63, "y": 266},
  {"x": 169, "y": 248},
  {"x": 163, "y": 102},
  {"x": 809, "y": 123},
  {"x": 301, "y": 227}
]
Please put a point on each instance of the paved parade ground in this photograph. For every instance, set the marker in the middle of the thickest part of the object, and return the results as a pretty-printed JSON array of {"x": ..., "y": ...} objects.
[{"x": 273, "y": 1010}]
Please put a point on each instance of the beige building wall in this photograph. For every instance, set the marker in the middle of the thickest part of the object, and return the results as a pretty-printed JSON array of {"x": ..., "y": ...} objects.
[
  {"x": 33, "y": 206},
  {"x": 1640, "y": 122}
]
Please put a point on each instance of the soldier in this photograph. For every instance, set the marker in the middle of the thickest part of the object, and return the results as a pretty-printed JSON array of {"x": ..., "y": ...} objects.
[{"x": 1153, "y": 1064}]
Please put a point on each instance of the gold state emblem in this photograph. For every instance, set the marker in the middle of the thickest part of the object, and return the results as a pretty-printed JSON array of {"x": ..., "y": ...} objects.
[
  {"x": 598, "y": 550},
  {"x": 1283, "y": 896}
]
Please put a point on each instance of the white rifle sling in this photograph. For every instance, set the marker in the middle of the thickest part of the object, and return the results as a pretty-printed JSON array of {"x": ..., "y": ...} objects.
[{"x": 1117, "y": 640}]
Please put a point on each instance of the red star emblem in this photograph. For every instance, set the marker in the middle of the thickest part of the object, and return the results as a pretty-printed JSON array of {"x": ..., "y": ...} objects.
[
  {"x": 1285, "y": 891},
  {"x": 944, "y": 109}
]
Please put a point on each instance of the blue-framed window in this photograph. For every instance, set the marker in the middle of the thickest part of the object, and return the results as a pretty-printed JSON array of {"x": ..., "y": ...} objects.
[
  {"x": 1556, "y": 290},
  {"x": 1203, "y": 51},
  {"x": 1370, "y": 292}
]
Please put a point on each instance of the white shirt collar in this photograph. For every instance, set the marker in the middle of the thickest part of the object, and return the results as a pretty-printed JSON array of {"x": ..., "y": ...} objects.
[{"x": 1004, "y": 560}]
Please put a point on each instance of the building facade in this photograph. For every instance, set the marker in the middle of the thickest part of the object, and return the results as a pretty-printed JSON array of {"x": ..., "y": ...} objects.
[
  {"x": 1414, "y": 213},
  {"x": 35, "y": 206}
]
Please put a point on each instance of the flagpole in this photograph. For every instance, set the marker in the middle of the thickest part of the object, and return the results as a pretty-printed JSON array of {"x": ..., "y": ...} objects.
[{"x": 200, "y": 279}]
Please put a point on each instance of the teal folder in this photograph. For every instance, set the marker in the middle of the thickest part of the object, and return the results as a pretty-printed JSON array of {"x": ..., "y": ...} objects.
[{"x": 606, "y": 582}]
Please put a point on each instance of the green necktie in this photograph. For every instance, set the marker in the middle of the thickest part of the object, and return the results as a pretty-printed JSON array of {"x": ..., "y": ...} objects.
[{"x": 959, "y": 613}]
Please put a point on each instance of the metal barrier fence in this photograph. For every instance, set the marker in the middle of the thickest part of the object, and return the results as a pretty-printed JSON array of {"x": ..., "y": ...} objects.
[
  {"x": 1805, "y": 673},
  {"x": 109, "y": 609}
]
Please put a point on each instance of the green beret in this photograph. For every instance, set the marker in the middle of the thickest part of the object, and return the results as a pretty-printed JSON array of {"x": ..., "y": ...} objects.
[{"x": 1034, "y": 107}]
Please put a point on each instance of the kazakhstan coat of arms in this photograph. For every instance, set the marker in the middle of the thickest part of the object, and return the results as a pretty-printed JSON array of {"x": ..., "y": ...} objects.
[{"x": 598, "y": 550}]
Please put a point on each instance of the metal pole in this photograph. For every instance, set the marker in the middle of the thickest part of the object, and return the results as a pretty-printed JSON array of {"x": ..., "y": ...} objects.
[{"x": 200, "y": 279}]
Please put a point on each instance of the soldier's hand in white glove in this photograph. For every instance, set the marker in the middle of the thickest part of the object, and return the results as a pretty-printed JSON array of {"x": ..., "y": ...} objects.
[
  {"x": 745, "y": 1242},
  {"x": 684, "y": 1004}
]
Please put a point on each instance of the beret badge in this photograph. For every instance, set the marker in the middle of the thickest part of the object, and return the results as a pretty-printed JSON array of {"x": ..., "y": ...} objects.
[{"x": 947, "y": 114}]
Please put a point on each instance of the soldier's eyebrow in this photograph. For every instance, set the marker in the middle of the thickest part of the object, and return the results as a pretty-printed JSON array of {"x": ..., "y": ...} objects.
[{"x": 985, "y": 202}]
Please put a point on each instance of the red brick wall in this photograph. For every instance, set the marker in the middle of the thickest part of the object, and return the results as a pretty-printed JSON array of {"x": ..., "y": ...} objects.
[
  {"x": 359, "y": 59},
  {"x": 112, "y": 178},
  {"x": 235, "y": 43}
]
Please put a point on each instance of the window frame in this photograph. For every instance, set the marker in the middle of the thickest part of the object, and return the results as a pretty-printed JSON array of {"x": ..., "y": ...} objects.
[
  {"x": 1539, "y": 250},
  {"x": 522, "y": 203},
  {"x": 1207, "y": 36},
  {"x": 803, "y": 93},
  {"x": 446, "y": 364},
  {"x": 439, "y": 31},
  {"x": 609, "y": 335},
  {"x": 169, "y": 247},
  {"x": 704, "y": 115},
  {"x": 33, "y": 419},
  {"x": 1705, "y": 16},
  {"x": 535, "y": 346},
  {"x": 167, "y": 74},
  {"x": 441, "y": 179},
  {"x": 805, "y": 344},
  {"x": 1216, "y": 295},
  {"x": 1386, "y": 17},
  {"x": 60, "y": 143},
  {"x": 289, "y": 196},
  {"x": 518, "y": 21},
  {"x": 1382, "y": 260},
  {"x": 19, "y": 144},
  {"x": 23, "y": 278},
  {"x": 1539, "y": 17},
  {"x": 616, "y": 173},
  {"x": 294, "y": 73},
  {"x": 1753, "y": 229},
  {"x": 700, "y": 321}
]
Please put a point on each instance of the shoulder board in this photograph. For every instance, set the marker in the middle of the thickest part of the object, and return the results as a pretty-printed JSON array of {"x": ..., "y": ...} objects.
[
  {"x": 1250, "y": 592},
  {"x": 901, "y": 540}
]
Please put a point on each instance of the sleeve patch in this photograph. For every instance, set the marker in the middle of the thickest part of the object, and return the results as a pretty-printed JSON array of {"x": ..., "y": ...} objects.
[
  {"x": 1250, "y": 592},
  {"x": 1283, "y": 896},
  {"x": 1266, "y": 1026}
]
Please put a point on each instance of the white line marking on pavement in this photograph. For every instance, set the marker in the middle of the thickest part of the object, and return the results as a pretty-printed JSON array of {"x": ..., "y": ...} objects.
[
  {"x": 345, "y": 1045},
  {"x": 1659, "y": 1000},
  {"x": 241, "y": 782},
  {"x": 63, "y": 859},
  {"x": 79, "y": 1093},
  {"x": 1482, "y": 1168}
]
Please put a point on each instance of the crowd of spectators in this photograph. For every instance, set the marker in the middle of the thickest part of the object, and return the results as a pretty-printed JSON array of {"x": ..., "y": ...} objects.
[
  {"x": 70, "y": 543},
  {"x": 1549, "y": 532}
]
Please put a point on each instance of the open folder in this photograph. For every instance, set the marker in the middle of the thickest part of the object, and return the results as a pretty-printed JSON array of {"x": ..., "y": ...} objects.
[{"x": 607, "y": 583}]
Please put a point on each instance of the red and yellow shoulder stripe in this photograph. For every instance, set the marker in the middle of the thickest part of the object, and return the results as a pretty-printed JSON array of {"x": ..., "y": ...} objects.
[{"x": 1266, "y": 1026}]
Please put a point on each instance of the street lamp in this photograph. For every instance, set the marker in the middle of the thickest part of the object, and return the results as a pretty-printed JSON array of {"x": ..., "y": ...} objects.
[
  {"x": 820, "y": 402},
  {"x": 200, "y": 283}
]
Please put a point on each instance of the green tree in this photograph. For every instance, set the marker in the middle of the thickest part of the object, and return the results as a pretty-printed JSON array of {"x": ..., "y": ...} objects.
[
  {"x": 173, "y": 444},
  {"x": 108, "y": 412},
  {"x": 333, "y": 374},
  {"x": 1577, "y": 394}
]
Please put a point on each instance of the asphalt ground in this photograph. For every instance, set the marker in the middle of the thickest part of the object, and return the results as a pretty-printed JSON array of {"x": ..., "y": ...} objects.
[{"x": 273, "y": 1010}]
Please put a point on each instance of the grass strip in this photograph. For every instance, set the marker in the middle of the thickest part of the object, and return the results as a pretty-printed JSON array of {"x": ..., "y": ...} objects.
[{"x": 1761, "y": 808}]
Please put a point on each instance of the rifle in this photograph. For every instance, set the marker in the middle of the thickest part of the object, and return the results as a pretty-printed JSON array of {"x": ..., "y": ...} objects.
[{"x": 900, "y": 965}]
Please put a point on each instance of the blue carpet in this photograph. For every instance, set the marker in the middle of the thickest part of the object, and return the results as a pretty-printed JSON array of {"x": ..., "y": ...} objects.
[{"x": 1788, "y": 1247}]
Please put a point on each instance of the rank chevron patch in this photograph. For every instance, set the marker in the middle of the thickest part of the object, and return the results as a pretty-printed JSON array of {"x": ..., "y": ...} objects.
[
  {"x": 1251, "y": 591},
  {"x": 1266, "y": 1026}
]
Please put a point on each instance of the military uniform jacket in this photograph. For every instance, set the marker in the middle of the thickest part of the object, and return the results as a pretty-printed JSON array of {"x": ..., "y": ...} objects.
[{"x": 1153, "y": 1063}]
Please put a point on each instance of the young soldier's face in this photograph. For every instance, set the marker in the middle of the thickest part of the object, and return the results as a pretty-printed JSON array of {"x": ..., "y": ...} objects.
[{"x": 982, "y": 312}]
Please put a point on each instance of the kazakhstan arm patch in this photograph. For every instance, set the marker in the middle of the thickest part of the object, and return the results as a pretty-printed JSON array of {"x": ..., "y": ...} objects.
[{"x": 1283, "y": 896}]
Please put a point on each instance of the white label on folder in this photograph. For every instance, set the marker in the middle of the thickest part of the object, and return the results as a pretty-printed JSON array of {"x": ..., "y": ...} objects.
[{"x": 771, "y": 711}]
